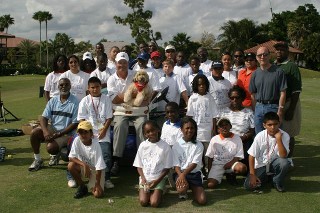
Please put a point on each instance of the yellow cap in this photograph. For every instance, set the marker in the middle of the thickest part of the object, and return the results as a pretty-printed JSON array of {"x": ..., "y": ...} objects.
[{"x": 85, "y": 125}]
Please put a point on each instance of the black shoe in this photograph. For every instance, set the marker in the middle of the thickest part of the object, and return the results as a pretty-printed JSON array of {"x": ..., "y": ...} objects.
[
  {"x": 231, "y": 179},
  {"x": 278, "y": 187},
  {"x": 115, "y": 169},
  {"x": 81, "y": 192}
]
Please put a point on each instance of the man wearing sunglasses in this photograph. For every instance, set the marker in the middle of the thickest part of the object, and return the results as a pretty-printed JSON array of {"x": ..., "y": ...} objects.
[{"x": 268, "y": 86}]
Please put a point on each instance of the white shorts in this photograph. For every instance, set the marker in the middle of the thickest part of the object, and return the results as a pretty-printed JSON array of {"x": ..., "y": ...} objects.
[
  {"x": 92, "y": 178},
  {"x": 217, "y": 171}
]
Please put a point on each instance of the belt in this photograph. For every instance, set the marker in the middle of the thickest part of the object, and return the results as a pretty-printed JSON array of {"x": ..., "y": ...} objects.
[{"x": 268, "y": 102}]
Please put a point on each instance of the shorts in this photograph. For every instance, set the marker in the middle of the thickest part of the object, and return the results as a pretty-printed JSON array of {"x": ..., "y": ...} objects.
[
  {"x": 217, "y": 171},
  {"x": 292, "y": 127},
  {"x": 160, "y": 186},
  {"x": 193, "y": 179},
  {"x": 92, "y": 178},
  {"x": 61, "y": 141}
]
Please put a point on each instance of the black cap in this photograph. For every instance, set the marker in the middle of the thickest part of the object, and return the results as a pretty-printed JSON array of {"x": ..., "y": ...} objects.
[
  {"x": 216, "y": 64},
  {"x": 250, "y": 55},
  {"x": 281, "y": 44}
]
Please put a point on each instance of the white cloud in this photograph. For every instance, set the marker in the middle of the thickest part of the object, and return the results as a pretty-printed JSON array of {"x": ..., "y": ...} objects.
[{"x": 93, "y": 20}]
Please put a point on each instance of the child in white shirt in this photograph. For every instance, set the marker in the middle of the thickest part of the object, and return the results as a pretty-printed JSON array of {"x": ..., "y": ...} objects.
[{"x": 153, "y": 161}]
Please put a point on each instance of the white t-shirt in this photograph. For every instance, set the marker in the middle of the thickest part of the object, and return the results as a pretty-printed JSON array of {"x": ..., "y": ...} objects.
[
  {"x": 112, "y": 66},
  {"x": 223, "y": 150},
  {"x": 153, "y": 158},
  {"x": 183, "y": 72},
  {"x": 186, "y": 153},
  {"x": 102, "y": 75},
  {"x": 118, "y": 85},
  {"x": 230, "y": 76},
  {"x": 96, "y": 110},
  {"x": 264, "y": 148},
  {"x": 203, "y": 109},
  {"x": 51, "y": 84},
  {"x": 91, "y": 155},
  {"x": 219, "y": 91},
  {"x": 153, "y": 78},
  {"x": 171, "y": 132},
  {"x": 159, "y": 72},
  {"x": 206, "y": 66},
  {"x": 241, "y": 120},
  {"x": 79, "y": 83},
  {"x": 176, "y": 87}
]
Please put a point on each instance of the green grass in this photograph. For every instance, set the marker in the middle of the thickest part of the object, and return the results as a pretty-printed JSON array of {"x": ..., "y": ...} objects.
[{"x": 47, "y": 191}]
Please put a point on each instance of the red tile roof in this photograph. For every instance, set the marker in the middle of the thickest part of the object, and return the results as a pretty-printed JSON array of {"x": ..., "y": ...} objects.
[
  {"x": 14, "y": 42},
  {"x": 269, "y": 45},
  {"x": 6, "y": 35}
]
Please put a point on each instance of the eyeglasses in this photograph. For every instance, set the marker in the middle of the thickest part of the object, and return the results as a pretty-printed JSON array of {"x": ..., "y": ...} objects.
[
  {"x": 235, "y": 97},
  {"x": 238, "y": 56},
  {"x": 263, "y": 54}
]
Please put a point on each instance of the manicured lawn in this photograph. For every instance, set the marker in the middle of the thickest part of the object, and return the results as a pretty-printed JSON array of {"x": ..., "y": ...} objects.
[{"x": 46, "y": 190}]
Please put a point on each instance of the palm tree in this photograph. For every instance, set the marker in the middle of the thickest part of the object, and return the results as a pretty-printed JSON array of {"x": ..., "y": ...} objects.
[
  {"x": 47, "y": 16},
  {"x": 39, "y": 17},
  {"x": 7, "y": 21}
]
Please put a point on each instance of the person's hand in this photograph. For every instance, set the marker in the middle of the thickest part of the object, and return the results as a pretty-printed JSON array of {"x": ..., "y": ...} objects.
[
  {"x": 278, "y": 135},
  {"x": 228, "y": 165},
  {"x": 97, "y": 189},
  {"x": 48, "y": 137},
  {"x": 181, "y": 181},
  {"x": 87, "y": 171},
  {"x": 102, "y": 133},
  {"x": 254, "y": 181},
  {"x": 153, "y": 184},
  {"x": 289, "y": 115}
]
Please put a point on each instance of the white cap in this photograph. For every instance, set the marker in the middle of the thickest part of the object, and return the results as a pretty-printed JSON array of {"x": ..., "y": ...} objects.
[
  {"x": 87, "y": 55},
  {"x": 122, "y": 55},
  {"x": 170, "y": 47}
]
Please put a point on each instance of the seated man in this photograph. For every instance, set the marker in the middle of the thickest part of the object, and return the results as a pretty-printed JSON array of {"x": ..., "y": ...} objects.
[{"x": 62, "y": 112}]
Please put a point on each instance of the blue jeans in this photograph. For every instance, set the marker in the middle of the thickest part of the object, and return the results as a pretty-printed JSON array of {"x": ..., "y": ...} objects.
[
  {"x": 278, "y": 166},
  {"x": 259, "y": 112},
  {"x": 107, "y": 157}
]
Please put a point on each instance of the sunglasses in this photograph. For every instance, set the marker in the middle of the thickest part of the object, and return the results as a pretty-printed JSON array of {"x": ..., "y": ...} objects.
[{"x": 263, "y": 54}]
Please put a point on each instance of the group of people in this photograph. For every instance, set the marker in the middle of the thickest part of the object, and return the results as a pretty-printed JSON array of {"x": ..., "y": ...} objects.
[{"x": 231, "y": 126}]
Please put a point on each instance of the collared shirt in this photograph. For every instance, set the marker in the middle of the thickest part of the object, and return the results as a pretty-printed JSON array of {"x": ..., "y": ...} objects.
[
  {"x": 206, "y": 66},
  {"x": 244, "y": 82},
  {"x": 117, "y": 85}
]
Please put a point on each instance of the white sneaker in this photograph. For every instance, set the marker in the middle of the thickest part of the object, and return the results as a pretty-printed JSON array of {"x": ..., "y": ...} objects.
[
  {"x": 183, "y": 196},
  {"x": 108, "y": 184},
  {"x": 291, "y": 162},
  {"x": 72, "y": 183}
]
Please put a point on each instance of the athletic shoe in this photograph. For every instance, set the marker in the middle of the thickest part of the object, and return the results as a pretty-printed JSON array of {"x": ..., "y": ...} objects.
[
  {"x": 81, "y": 192},
  {"x": 36, "y": 165},
  {"x": 72, "y": 183},
  {"x": 108, "y": 184},
  {"x": 54, "y": 160},
  {"x": 115, "y": 168},
  {"x": 183, "y": 196},
  {"x": 291, "y": 162},
  {"x": 278, "y": 187}
]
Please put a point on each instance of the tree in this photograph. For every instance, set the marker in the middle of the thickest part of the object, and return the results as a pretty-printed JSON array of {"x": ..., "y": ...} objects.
[
  {"x": 27, "y": 49},
  {"x": 83, "y": 46},
  {"x": 62, "y": 44},
  {"x": 39, "y": 16},
  {"x": 138, "y": 21},
  {"x": 207, "y": 40},
  {"x": 242, "y": 34},
  {"x": 6, "y": 21},
  {"x": 310, "y": 46},
  {"x": 181, "y": 41},
  {"x": 47, "y": 16}
]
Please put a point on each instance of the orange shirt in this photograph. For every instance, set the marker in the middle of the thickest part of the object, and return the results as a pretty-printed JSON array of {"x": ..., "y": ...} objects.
[{"x": 244, "y": 82}]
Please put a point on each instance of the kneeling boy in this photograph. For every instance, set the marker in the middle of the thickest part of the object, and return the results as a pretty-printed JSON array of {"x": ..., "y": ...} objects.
[{"x": 86, "y": 161}]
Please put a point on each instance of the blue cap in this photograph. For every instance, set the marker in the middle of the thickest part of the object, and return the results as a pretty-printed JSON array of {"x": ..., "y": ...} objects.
[
  {"x": 144, "y": 56},
  {"x": 217, "y": 64}
]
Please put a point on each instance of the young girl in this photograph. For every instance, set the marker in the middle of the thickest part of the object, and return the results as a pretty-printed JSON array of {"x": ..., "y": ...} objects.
[
  {"x": 187, "y": 155},
  {"x": 153, "y": 161},
  {"x": 87, "y": 64},
  {"x": 59, "y": 66},
  {"x": 202, "y": 108},
  {"x": 228, "y": 72},
  {"x": 112, "y": 58}
]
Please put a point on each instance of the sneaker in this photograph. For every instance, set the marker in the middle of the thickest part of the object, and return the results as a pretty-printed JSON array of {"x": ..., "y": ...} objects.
[
  {"x": 54, "y": 160},
  {"x": 231, "y": 179},
  {"x": 278, "y": 187},
  {"x": 115, "y": 168},
  {"x": 108, "y": 184},
  {"x": 81, "y": 192},
  {"x": 183, "y": 196},
  {"x": 72, "y": 183},
  {"x": 291, "y": 162},
  {"x": 36, "y": 165}
]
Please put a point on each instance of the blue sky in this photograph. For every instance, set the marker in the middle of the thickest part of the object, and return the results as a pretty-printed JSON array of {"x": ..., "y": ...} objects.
[{"x": 93, "y": 19}]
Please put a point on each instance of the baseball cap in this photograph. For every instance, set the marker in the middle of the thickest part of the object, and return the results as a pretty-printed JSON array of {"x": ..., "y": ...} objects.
[
  {"x": 222, "y": 119},
  {"x": 250, "y": 55},
  {"x": 122, "y": 55},
  {"x": 170, "y": 47},
  {"x": 155, "y": 54},
  {"x": 87, "y": 55},
  {"x": 217, "y": 64},
  {"x": 281, "y": 44},
  {"x": 144, "y": 56},
  {"x": 85, "y": 125}
]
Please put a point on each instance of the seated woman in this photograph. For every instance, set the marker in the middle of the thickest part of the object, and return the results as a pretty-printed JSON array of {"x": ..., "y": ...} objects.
[{"x": 241, "y": 119}]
